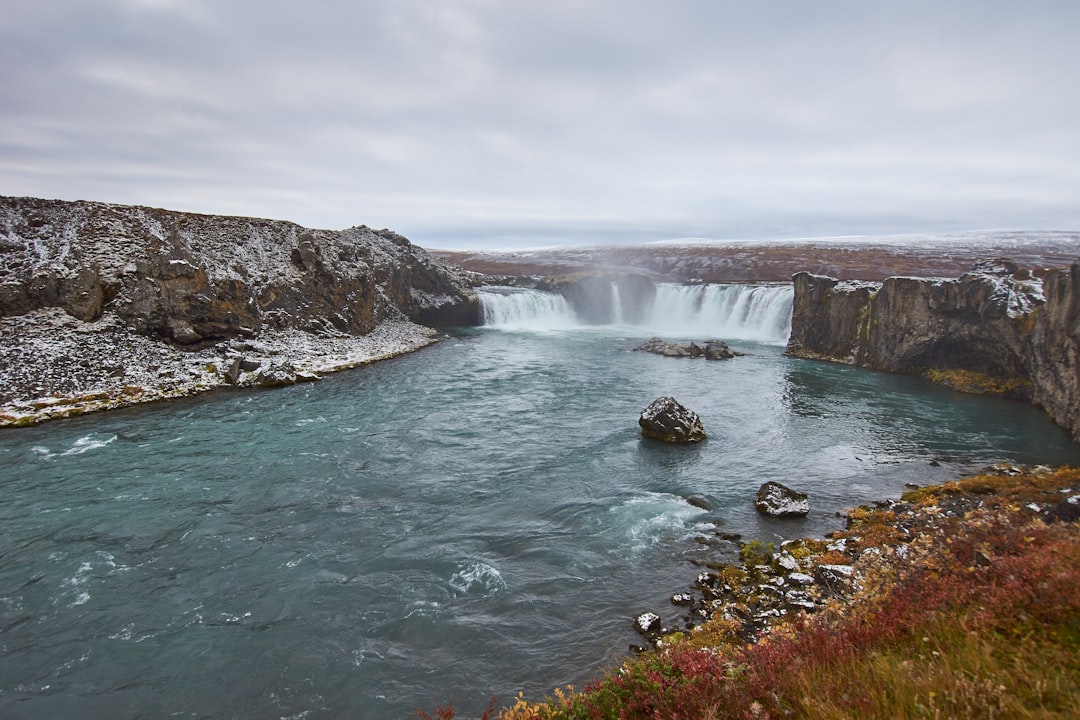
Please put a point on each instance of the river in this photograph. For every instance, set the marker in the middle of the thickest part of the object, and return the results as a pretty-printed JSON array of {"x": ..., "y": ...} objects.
[{"x": 479, "y": 517}]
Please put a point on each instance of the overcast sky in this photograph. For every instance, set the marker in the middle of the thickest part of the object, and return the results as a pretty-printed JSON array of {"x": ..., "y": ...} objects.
[{"x": 498, "y": 123}]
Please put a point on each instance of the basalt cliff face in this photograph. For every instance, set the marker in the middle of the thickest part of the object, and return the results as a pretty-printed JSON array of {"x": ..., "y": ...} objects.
[
  {"x": 189, "y": 277},
  {"x": 995, "y": 329},
  {"x": 105, "y": 305}
]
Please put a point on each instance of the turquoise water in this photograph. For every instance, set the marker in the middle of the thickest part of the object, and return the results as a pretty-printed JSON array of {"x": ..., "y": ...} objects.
[{"x": 480, "y": 517}]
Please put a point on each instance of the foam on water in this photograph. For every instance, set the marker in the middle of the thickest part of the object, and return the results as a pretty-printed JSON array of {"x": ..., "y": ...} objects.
[
  {"x": 477, "y": 576},
  {"x": 85, "y": 444},
  {"x": 648, "y": 519}
]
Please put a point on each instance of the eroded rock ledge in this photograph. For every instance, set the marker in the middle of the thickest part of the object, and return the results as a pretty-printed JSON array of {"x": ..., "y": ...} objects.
[
  {"x": 994, "y": 330},
  {"x": 105, "y": 305}
]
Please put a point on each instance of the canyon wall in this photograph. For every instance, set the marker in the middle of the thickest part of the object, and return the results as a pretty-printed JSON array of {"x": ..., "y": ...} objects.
[
  {"x": 995, "y": 330},
  {"x": 191, "y": 278}
]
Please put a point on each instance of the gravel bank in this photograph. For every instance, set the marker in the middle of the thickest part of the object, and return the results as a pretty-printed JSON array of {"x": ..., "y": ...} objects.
[{"x": 53, "y": 365}]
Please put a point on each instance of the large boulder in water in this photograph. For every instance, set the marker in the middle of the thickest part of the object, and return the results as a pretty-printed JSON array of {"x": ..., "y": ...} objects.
[
  {"x": 778, "y": 500},
  {"x": 665, "y": 419}
]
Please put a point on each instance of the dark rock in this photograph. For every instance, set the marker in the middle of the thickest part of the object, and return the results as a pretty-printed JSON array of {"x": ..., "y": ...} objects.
[
  {"x": 1065, "y": 511},
  {"x": 276, "y": 375},
  {"x": 710, "y": 350},
  {"x": 718, "y": 350},
  {"x": 993, "y": 330},
  {"x": 665, "y": 419},
  {"x": 836, "y": 579},
  {"x": 682, "y": 599},
  {"x": 708, "y": 580},
  {"x": 778, "y": 500},
  {"x": 699, "y": 502},
  {"x": 648, "y": 624},
  {"x": 190, "y": 277},
  {"x": 232, "y": 371}
]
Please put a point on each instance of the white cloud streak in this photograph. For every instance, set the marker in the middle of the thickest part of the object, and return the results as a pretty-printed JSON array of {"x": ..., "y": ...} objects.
[{"x": 482, "y": 122}]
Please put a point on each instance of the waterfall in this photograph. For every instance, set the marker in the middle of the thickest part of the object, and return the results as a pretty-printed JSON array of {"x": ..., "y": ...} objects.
[
  {"x": 616, "y": 304},
  {"x": 760, "y": 313},
  {"x": 744, "y": 312},
  {"x": 520, "y": 309}
]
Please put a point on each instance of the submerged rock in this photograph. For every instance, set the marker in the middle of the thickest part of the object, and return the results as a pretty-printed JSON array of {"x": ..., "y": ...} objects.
[
  {"x": 665, "y": 419},
  {"x": 778, "y": 500},
  {"x": 699, "y": 502}
]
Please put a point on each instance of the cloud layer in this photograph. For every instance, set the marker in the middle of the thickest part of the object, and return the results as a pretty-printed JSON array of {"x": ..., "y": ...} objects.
[{"x": 485, "y": 122}]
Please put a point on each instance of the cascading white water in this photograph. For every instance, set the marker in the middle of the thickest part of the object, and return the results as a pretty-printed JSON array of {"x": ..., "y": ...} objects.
[
  {"x": 616, "y": 305},
  {"x": 744, "y": 312},
  {"x": 760, "y": 313},
  {"x": 510, "y": 308}
]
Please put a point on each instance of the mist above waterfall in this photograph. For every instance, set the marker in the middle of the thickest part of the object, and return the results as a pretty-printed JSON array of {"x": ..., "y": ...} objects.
[{"x": 760, "y": 313}]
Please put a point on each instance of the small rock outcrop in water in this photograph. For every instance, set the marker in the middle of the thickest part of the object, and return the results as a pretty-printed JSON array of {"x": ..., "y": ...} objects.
[
  {"x": 996, "y": 330},
  {"x": 699, "y": 502},
  {"x": 107, "y": 305},
  {"x": 665, "y": 419},
  {"x": 710, "y": 349},
  {"x": 777, "y": 500}
]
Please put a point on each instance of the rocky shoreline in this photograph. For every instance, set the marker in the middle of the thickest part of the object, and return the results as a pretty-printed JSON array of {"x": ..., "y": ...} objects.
[
  {"x": 957, "y": 600},
  {"x": 55, "y": 366},
  {"x": 105, "y": 306},
  {"x": 772, "y": 585}
]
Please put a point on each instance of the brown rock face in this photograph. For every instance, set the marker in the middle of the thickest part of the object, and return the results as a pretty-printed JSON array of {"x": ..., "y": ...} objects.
[
  {"x": 191, "y": 278},
  {"x": 1054, "y": 360},
  {"x": 991, "y": 324}
]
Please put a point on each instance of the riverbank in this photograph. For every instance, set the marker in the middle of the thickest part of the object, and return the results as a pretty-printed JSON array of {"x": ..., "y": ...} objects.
[
  {"x": 53, "y": 365},
  {"x": 956, "y": 601}
]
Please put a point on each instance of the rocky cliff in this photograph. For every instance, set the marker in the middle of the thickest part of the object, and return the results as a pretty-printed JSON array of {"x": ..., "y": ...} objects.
[
  {"x": 190, "y": 277},
  {"x": 80, "y": 281},
  {"x": 995, "y": 329}
]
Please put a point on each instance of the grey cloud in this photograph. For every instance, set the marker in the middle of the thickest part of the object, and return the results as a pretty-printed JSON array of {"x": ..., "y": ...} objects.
[{"x": 481, "y": 121}]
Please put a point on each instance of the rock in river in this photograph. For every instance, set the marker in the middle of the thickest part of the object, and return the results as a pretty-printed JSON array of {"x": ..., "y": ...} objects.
[
  {"x": 781, "y": 501},
  {"x": 665, "y": 419},
  {"x": 710, "y": 349}
]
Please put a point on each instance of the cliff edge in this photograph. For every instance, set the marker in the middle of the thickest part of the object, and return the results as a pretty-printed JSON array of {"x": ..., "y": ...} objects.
[
  {"x": 995, "y": 330},
  {"x": 130, "y": 303}
]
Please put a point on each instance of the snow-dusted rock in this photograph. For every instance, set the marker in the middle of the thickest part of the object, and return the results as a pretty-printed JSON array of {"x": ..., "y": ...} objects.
[
  {"x": 665, "y": 419},
  {"x": 104, "y": 305},
  {"x": 648, "y": 624},
  {"x": 836, "y": 579},
  {"x": 710, "y": 349},
  {"x": 778, "y": 500}
]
